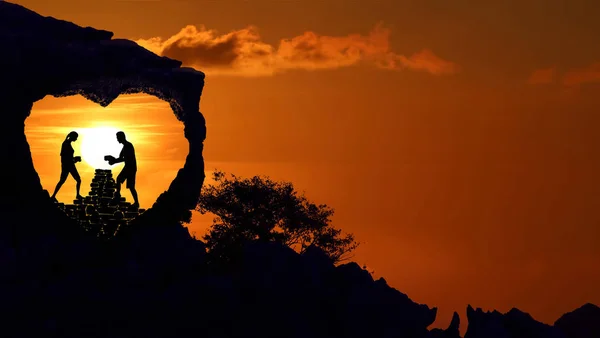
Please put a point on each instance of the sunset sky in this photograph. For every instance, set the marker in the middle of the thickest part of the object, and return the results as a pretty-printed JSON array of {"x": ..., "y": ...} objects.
[{"x": 458, "y": 140}]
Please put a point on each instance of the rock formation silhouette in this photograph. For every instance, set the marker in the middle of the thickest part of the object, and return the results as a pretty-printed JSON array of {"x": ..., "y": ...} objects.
[
  {"x": 513, "y": 324},
  {"x": 452, "y": 331},
  {"x": 152, "y": 280},
  {"x": 580, "y": 323},
  {"x": 46, "y": 56},
  {"x": 583, "y": 322}
]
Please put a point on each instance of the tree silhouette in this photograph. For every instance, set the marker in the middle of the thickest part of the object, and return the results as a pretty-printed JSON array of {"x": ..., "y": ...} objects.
[{"x": 260, "y": 209}]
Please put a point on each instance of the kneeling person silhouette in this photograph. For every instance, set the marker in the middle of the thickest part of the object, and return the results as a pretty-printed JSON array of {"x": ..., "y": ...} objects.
[{"x": 129, "y": 170}]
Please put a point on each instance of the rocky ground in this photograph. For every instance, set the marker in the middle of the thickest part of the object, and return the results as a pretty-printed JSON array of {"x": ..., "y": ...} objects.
[{"x": 155, "y": 282}]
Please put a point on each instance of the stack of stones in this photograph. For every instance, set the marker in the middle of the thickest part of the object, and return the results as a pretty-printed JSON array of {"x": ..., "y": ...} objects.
[{"x": 101, "y": 212}]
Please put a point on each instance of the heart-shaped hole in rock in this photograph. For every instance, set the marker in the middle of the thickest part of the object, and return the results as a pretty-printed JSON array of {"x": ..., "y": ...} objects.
[
  {"x": 149, "y": 125},
  {"x": 46, "y": 56}
]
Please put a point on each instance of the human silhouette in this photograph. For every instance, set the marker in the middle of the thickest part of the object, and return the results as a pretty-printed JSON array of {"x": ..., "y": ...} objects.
[
  {"x": 129, "y": 170},
  {"x": 68, "y": 161}
]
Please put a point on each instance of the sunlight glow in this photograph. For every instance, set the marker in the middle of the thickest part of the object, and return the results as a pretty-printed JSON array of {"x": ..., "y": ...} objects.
[{"x": 98, "y": 142}]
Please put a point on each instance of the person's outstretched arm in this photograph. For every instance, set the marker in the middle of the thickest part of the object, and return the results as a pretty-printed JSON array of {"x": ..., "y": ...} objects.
[{"x": 121, "y": 156}]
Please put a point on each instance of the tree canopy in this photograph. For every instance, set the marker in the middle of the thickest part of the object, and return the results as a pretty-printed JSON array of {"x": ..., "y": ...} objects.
[{"x": 258, "y": 208}]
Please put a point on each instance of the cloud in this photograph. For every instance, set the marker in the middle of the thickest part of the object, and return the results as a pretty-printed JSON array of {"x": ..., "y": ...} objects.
[
  {"x": 542, "y": 76},
  {"x": 575, "y": 77},
  {"x": 242, "y": 52}
]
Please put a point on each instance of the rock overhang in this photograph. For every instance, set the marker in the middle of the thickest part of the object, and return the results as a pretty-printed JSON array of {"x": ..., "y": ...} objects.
[{"x": 47, "y": 56}]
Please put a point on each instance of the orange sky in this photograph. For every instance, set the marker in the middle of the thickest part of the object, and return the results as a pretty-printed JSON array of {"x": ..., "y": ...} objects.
[{"x": 458, "y": 141}]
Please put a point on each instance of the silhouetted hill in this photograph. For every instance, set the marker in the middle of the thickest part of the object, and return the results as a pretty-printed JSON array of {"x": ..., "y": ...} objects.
[
  {"x": 513, "y": 324},
  {"x": 583, "y": 322},
  {"x": 153, "y": 279},
  {"x": 153, "y": 286}
]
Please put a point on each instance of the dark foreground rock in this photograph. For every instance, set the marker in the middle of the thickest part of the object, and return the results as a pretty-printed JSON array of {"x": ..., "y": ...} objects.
[
  {"x": 156, "y": 282},
  {"x": 158, "y": 286},
  {"x": 583, "y": 322},
  {"x": 513, "y": 324},
  {"x": 452, "y": 331}
]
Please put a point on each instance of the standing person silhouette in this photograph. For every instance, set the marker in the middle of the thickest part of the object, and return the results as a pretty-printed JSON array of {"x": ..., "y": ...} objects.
[
  {"x": 68, "y": 164},
  {"x": 129, "y": 170}
]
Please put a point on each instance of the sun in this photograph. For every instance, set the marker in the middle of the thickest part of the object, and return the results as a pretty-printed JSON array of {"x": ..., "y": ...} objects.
[{"x": 98, "y": 142}]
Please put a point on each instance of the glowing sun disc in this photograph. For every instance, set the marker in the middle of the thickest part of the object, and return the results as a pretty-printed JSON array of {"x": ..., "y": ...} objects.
[{"x": 97, "y": 143}]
